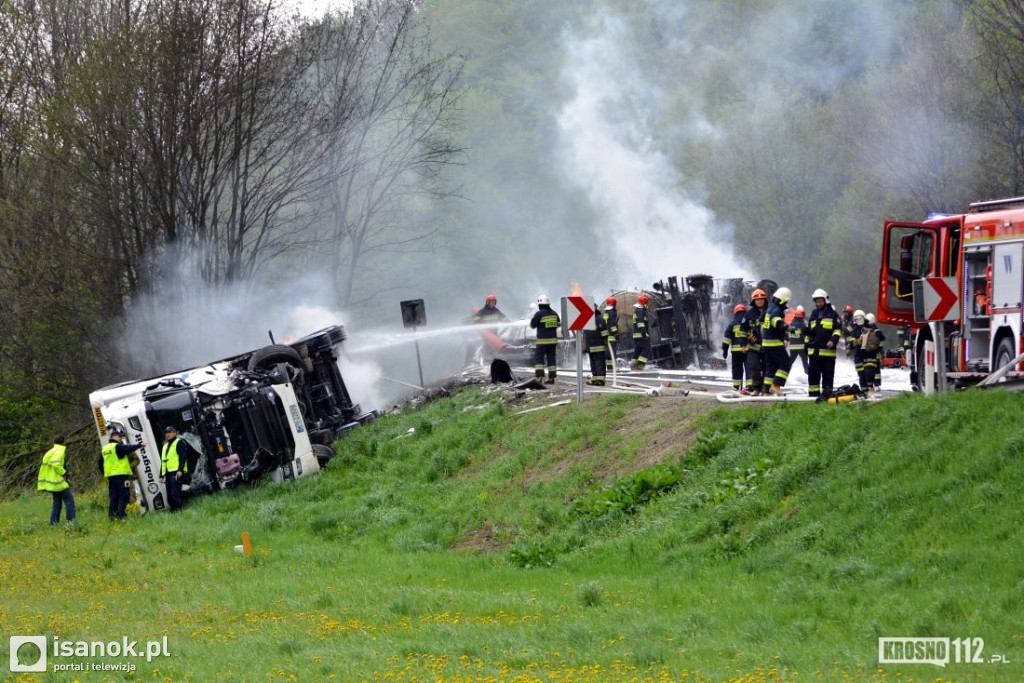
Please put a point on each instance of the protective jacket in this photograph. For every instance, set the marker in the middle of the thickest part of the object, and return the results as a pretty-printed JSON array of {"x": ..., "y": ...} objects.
[
  {"x": 823, "y": 326},
  {"x": 735, "y": 339},
  {"x": 115, "y": 459},
  {"x": 773, "y": 325},
  {"x": 797, "y": 332},
  {"x": 641, "y": 322},
  {"x": 51, "y": 472},
  {"x": 173, "y": 457},
  {"x": 611, "y": 323},
  {"x": 546, "y": 322}
]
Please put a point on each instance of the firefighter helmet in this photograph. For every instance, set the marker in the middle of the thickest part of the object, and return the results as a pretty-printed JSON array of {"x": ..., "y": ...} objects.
[
  {"x": 820, "y": 293},
  {"x": 611, "y": 302},
  {"x": 490, "y": 298},
  {"x": 543, "y": 300},
  {"x": 870, "y": 317},
  {"x": 643, "y": 300},
  {"x": 848, "y": 309},
  {"x": 758, "y": 294},
  {"x": 858, "y": 317},
  {"x": 799, "y": 312},
  {"x": 738, "y": 308},
  {"x": 783, "y": 294}
]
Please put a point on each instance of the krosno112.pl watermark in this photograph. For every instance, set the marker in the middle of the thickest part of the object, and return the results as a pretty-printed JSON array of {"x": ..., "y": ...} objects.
[
  {"x": 937, "y": 651},
  {"x": 29, "y": 653}
]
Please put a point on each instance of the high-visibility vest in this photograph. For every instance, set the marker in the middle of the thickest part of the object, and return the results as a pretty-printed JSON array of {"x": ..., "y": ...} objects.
[
  {"x": 113, "y": 465},
  {"x": 51, "y": 472},
  {"x": 169, "y": 458}
]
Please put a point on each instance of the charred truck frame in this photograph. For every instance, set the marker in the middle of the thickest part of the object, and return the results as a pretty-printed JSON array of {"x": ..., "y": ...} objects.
[
  {"x": 275, "y": 410},
  {"x": 688, "y": 322}
]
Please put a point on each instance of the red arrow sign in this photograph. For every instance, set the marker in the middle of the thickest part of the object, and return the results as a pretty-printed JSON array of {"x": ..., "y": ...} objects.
[
  {"x": 939, "y": 300},
  {"x": 947, "y": 298},
  {"x": 584, "y": 314}
]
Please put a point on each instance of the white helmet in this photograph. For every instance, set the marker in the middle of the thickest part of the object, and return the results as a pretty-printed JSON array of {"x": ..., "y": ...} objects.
[
  {"x": 820, "y": 293},
  {"x": 870, "y": 317},
  {"x": 543, "y": 299},
  {"x": 858, "y": 317},
  {"x": 783, "y": 294},
  {"x": 800, "y": 309}
]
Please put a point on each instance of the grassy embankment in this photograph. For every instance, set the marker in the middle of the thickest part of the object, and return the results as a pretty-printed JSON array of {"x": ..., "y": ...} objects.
[{"x": 778, "y": 545}]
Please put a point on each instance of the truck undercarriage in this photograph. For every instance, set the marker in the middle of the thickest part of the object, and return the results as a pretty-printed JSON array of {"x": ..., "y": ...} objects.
[{"x": 275, "y": 410}]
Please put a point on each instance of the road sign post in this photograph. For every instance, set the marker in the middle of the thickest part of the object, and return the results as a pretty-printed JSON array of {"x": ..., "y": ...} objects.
[
  {"x": 577, "y": 316},
  {"x": 936, "y": 302},
  {"x": 414, "y": 314}
]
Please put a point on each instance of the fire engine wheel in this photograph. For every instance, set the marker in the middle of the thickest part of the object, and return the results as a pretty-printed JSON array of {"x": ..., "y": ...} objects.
[
  {"x": 1004, "y": 353},
  {"x": 263, "y": 358},
  {"x": 323, "y": 454}
]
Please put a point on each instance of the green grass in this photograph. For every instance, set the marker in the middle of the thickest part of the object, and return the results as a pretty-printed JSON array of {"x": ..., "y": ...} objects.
[{"x": 488, "y": 546}]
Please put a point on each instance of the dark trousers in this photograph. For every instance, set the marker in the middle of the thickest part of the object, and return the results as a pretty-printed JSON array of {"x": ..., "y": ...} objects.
[
  {"x": 776, "y": 362},
  {"x": 755, "y": 370},
  {"x": 821, "y": 372},
  {"x": 64, "y": 499},
  {"x": 641, "y": 352},
  {"x": 793, "y": 353},
  {"x": 119, "y": 495},
  {"x": 597, "y": 361},
  {"x": 739, "y": 361},
  {"x": 545, "y": 356},
  {"x": 173, "y": 485}
]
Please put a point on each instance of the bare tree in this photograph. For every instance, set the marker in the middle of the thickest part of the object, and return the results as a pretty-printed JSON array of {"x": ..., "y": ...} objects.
[{"x": 396, "y": 106}]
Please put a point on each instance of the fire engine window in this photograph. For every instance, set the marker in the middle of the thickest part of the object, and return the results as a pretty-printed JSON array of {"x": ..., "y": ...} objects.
[{"x": 911, "y": 251}]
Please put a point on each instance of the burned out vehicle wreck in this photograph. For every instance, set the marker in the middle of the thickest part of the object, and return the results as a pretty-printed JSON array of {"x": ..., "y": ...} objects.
[
  {"x": 688, "y": 320},
  {"x": 270, "y": 412}
]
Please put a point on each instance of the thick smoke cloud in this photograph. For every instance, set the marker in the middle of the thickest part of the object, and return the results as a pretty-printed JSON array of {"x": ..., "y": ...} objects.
[{"x": 640, "y": 206}]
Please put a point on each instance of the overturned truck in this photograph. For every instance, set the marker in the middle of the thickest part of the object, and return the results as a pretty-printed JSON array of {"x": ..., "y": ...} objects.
[
  {"x": 687, "y": 322},
  {"x": 271, "y": 412}
]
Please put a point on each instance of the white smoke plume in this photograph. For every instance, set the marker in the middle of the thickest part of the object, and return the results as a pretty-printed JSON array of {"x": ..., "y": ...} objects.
[{"x": 657, "y": 229}]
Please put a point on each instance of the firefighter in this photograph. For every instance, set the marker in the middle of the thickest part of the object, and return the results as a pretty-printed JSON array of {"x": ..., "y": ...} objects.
[
  {"x": 773, "y": 341},
  {"x": 752, "y": 329},
  {"x": 117, "y": 469},
  {"x": 546, "y": 322},
  {"x": 795, "y": 337},
  {"x": 611, "y": 325},
  {"x": 871, "y": 341},
  {"x": 847, "y": 325},
  {"x": 824, "y": 330},
  {"x": 642, "y": 324},
  {"x": 53, "y": 478},
  {"x": 854, "y": 336},
  {"x": 903, "y": 339},
  {"x": 597, "y": 348},
  {"x": 490, "y": 312},
  {"x": 735, "y": 341},
  {"x": 173, "y": 466}
]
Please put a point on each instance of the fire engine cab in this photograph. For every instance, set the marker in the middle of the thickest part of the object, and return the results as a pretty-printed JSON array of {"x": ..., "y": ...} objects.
[{"x": 983, "y": 250}]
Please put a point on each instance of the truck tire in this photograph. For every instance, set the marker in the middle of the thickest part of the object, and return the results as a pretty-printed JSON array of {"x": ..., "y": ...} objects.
[
  {"x": 268, "y": 356},
  {"x": 323, "y": 454},
  {"x": 1004, "y": 353}
]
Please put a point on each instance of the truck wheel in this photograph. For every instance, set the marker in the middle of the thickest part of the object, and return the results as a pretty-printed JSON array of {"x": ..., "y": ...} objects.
[
  {"x": 264, "y": 358},
  {"x": 323, "y": 454},
  {"x": 1004, "y": 353}
]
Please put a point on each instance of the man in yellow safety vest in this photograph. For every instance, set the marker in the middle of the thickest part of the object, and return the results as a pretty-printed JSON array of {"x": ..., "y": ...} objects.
[
  {"x": 53, "y": 478},
  {"x": 173, "y": 466},
  {"x": 118, "y": 471}
]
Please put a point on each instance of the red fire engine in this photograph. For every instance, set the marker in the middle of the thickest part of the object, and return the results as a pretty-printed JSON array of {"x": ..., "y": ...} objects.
[{"x": 983, "y": 250}]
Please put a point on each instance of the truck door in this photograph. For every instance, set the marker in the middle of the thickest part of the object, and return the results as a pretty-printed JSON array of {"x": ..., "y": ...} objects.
[
  {"x": 1006, "y": 277},
  {"x": 909, "y": 252}
]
